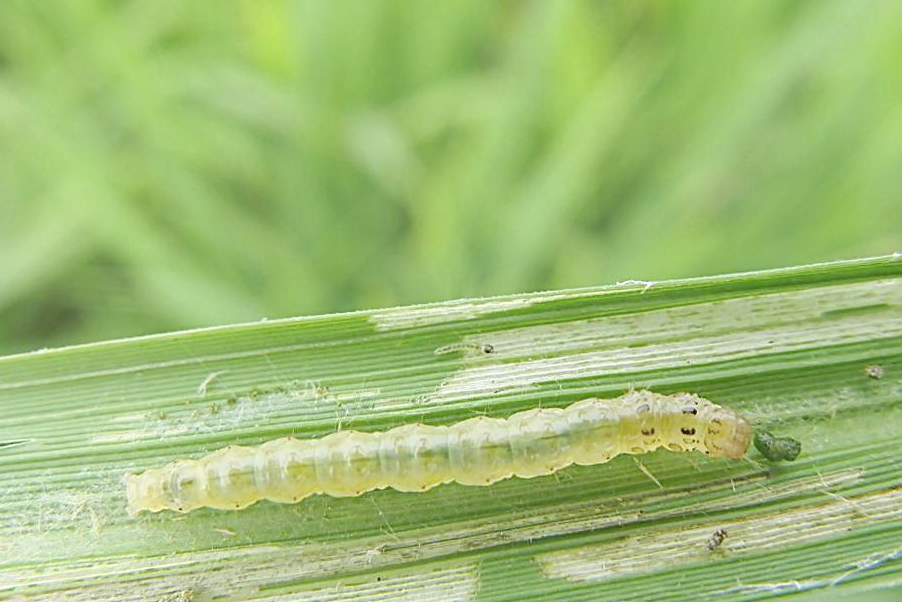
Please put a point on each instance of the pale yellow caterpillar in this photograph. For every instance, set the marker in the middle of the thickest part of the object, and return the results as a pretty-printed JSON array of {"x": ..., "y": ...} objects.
[{"x": 417, "y": 457}]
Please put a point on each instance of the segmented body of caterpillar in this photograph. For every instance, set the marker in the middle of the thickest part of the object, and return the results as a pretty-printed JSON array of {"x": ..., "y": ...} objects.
[{"x": 416, "y": 457}]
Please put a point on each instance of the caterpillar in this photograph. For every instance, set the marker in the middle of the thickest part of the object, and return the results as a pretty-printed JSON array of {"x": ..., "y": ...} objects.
[{"x": 417, "y": 457}]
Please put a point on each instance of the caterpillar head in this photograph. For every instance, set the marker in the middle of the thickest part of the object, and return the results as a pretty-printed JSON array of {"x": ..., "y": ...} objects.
[{"x": 727, "y": 434}]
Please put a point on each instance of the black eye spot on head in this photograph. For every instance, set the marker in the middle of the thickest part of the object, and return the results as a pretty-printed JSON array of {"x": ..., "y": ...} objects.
[
  {"x": 648, "y": 432},
  {"x": 689, "y": 431},
  {"x": 643, "y": 407},
  {"x": 690, "y": 410}
]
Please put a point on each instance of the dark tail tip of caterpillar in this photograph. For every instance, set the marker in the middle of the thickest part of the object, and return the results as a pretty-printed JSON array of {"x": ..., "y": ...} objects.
[{"x": 777, "y": 449}]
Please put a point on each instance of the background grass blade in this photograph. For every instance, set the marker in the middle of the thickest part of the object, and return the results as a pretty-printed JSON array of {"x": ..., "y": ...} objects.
[
  {"x": 166, "y": 165},
  {"x": 795, "y": 350}
]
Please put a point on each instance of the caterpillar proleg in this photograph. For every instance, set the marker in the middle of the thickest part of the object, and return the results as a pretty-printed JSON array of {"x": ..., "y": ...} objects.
[{"x": 417, "y": 457}]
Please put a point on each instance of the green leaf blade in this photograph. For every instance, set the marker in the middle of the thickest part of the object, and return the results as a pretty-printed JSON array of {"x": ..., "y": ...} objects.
[{"x": 788, "y": 349}]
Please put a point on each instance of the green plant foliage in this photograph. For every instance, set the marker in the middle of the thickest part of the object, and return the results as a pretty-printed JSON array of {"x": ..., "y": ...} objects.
[
  {"x": 792, "y": 350},
  {"x": 168, "y": 164}
]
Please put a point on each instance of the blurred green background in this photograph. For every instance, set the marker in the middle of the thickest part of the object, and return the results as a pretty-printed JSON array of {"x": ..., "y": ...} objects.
[{"x": 168, "y": 164}]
